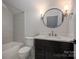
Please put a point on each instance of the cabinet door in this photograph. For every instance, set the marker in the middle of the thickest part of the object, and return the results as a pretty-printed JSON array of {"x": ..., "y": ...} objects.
[
  {"x": 60, "y": 47},
  {"x": 39, "y": 56},
  {"x": 39, "y": 50},
  {"x": 59, "y": 50},
  {"x": 45, "y": 49}
]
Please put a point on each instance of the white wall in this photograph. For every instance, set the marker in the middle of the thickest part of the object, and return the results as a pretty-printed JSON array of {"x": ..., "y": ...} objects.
[
  {"x": 31, "y": 22},
  {"x": 72, "y": 22},
  {"x": 34, "y": 25},
  {"x": 19, "y": 27},
  {"x": 7, "y": 25}
]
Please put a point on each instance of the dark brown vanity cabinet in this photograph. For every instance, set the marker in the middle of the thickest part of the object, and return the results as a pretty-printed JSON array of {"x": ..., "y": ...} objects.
[{"x": 45, "y": 49}]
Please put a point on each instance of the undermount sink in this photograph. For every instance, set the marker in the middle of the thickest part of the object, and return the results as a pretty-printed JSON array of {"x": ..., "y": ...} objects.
[
  {"x": 47, "y": 36},
  {"x": 56, "y": 38},
  {"x": 53, "y": 38}
]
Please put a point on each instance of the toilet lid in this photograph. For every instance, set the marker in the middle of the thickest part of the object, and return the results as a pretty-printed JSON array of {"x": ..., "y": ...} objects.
[{"x": 24, "y": 50}]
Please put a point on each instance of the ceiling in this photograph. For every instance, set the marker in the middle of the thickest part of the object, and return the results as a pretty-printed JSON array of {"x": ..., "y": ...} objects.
[
  {"x": 20, "y": 5},
  {"x": 15, "y": 6}
]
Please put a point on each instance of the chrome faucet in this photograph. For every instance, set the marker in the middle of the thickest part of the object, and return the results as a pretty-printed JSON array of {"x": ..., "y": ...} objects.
[{"x": 52, "y": 34}]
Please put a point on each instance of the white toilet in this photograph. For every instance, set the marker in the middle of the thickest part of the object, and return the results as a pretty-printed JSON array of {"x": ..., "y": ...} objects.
[{"x": 24, "y": 52}]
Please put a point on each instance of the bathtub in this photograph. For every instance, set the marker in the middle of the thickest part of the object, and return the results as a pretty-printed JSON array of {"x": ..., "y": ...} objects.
[{"x": 10, "y": 50}]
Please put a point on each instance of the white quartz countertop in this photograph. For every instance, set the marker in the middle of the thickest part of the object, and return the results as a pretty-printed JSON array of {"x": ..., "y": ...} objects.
[{"x": 52, "y": 38}]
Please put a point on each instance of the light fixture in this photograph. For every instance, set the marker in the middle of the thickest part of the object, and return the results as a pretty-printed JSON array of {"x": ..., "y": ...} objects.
[
  {"x": 41, "y": 16},
  {"x": 67, "y": 11}
]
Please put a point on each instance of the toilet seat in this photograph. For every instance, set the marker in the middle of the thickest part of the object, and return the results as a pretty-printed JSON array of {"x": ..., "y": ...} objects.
[
  {"x": 24, "y": 52},
  {"x": 24, "y": 49}
]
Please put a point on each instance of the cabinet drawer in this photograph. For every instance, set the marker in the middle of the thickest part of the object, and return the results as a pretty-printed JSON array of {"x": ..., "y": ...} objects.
[{"x": 41, "y": 43}]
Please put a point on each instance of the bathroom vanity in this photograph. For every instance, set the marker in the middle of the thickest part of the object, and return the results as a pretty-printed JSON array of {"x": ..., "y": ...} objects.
[
  {"x": 47, "y": 47},
  {"x": 52, "y": 45},
  {"x": 53, "y": 48}
]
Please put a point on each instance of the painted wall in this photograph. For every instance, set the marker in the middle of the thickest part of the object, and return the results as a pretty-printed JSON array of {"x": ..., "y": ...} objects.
[
  {"x": 7, "y": 25},
  {"x": 34, "y": 24},
  {"x": 19, "y": 27},
  {"x": 72, "y": 21}
]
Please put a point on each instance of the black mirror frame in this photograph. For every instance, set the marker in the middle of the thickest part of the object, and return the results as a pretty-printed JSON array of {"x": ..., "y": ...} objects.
[{"x": 50, "y": 10}]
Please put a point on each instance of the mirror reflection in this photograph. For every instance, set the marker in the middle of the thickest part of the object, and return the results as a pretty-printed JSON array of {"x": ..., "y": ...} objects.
[
  {"x": 53, "y": 18},
  {"x": 52, "y": 21}
]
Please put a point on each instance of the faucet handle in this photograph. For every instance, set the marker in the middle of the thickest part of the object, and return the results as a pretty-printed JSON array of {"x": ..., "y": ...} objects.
[
  {"x": 52, "y": 33},
  {"x": 55, "y": 34},
  {"x": 49, "y": 34}
]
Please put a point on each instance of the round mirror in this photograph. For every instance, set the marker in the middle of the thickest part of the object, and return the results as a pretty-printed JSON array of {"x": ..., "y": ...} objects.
[{"x": 53, "y": 18}]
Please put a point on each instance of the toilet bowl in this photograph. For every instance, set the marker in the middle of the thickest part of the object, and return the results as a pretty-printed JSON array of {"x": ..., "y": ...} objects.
[{"x": 24, "y": 52}]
